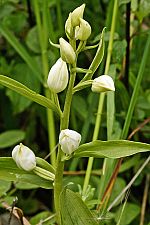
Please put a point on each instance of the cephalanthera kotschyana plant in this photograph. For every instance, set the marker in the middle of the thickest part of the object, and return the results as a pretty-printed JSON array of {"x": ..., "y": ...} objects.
[{"x": 70, "y": 207}]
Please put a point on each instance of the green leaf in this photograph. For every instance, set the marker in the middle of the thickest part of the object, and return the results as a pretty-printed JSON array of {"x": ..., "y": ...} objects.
[
  {"x": 97, "y": 59},
  {"x": 25, "y": 186},
  {"x": 16, "y": 22},
  {"x": 6, "y": 9},
  {"x": 134, "y": 5},
  {"x": 74, "y": 211},
  {"x": 130, "y": 212},
  {"x": 144, "y": 9},
  {"x": 11, "y": 137},
  {"x": 21, "y": 51},
  {"x": 10, "y": 172},
  {"x": 32, "y": 40},
  {"x": 28, "y": 93},
  {"x": 124, "y": 2},
  {"x": 118, "y": 187},
  {"x": 4, "y": 187},
  {"x": 119, "y": 51},
  {"x": 45, "y": 165},
  {"x": 111, "y": 149},
  {"x": 41, "y": 217}
]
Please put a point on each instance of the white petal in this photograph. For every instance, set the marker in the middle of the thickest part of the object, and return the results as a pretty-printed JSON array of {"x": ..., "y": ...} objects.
[
  {"x": 58, "y": 76},
  {"x": 69, "y": 140}
]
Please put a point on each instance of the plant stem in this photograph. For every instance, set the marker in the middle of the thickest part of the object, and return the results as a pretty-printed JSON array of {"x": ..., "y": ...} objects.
[
  {"x": 127, "y": 61},
  {"x": 102, "y": 95},
  {"x": 58, "y": 183},
  {"x": 60, "y": 164},
  {"x": 95, "y": 136}
]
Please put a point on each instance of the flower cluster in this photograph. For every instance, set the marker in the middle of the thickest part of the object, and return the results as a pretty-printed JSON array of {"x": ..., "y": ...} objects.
[{"x": 76, "y": 28}]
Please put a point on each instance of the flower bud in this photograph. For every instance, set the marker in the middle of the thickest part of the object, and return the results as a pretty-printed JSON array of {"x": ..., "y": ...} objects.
[
  {"x": 69, "y": 140},
  {"x": 76, "y": 15},
  {"x": 66, "y": 51},
  {"x": 58, "y": 76},
  {"x": 24, "y": 157},
  {"x": 83, "y": 31},
  {"x": 103, "y": 83},
  {"x": 69, "y": 27}
]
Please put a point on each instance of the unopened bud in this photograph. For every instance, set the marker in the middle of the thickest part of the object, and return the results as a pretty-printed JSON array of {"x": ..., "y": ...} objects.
[
  {"x": 24, "y": 157},
  {"x": 66, "y": 51},
  {"x": 83, "y": 31},
  {"x": 69, "y": 140},
  {"x": 58, "y": 76},
  {"x": 103, "y": 83},
  {"x": 44, "y": 173},
  {"x": 69, "y": 27},
  {"x": 76, "y": 15}
]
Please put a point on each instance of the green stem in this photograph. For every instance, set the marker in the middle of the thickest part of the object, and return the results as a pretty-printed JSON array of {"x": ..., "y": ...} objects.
[
  {"x": 108, "y": 164},
  {"x": 66, "y": 112},
  {"x": 58, "y": 183},
  {"x": 43, "y": 38},
  {"x": 60, "y": 164},
  {"x": 102, "y": 96},
  {"x": 95, "y": 136}
]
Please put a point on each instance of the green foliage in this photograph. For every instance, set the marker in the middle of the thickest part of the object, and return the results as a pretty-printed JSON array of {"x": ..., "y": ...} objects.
[
  {"x": 42, "y": 216},
  {"x": 32, "y": 40},
  {"x": 4, "y": 187},
  {"x": 111, "y": 149},
  {"x": 144, "y": 9},
  {"x": 118, "y": 187},
  {"x": 74, "y": 211},
  {"x": 124, "y": 1},
  {"x": 44, "y": 164},
  {"x": 21, "y": 51},
  {"x": 10, "y": 172},
  {"x": 130, "y": 212},
  {"x": 11, "y": 137},
  {"x": 15, "y": 22},
  {"x": 23, "y": 90},
  {"x": 119, "y": 51}
]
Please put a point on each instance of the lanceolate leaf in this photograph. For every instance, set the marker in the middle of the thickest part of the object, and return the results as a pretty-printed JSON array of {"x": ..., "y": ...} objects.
[
  {"x": 74, "y": 211},
  {"x": 111, "y": 149},
  {"x": 23, "y": 90},
  {"x": 10, "y": 172}
]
